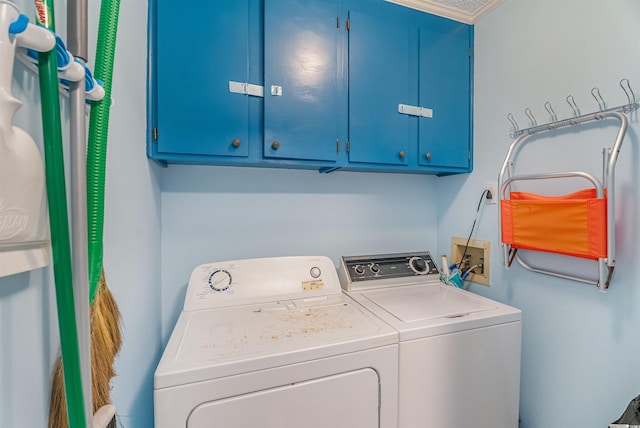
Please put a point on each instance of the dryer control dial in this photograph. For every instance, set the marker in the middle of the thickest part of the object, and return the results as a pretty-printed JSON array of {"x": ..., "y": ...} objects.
[{"x": 220, "y": 280}]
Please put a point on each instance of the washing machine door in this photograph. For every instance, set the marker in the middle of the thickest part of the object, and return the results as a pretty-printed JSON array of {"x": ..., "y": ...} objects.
[{"x": 348, "y": 400}]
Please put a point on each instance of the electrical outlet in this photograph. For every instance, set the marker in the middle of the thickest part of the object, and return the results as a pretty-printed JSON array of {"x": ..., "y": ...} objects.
[
  {"x": 476, "y": 256},
  {"x": 492, "y": 186}
]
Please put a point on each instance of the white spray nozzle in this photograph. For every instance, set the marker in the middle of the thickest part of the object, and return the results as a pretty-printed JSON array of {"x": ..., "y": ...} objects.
[{"x": 445, "y": 265}]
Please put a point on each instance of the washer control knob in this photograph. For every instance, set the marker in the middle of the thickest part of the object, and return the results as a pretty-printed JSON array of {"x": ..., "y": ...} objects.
[
  {"x": 359, "y": 269},
  {"x": 220, "y": 280},
  {"x": 418, "y": 265}
]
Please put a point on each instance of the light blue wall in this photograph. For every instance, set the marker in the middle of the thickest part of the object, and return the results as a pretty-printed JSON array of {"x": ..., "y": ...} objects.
[
  {"x": 224, "y": 213},
  {"x": 132, "y": 222},
  {"x": 580, "y": 347},
  {"x": 580, "y": 364},
  {"x": 29, "y": 340}
]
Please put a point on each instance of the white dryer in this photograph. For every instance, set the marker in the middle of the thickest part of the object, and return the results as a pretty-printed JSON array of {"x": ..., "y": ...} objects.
[
  {"x": 275, "y": 343},
  {"x": 459, "y": 353}
]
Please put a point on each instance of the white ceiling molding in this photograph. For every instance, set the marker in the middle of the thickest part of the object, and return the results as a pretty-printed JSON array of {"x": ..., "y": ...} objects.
[{"x": 467, "y": 11}]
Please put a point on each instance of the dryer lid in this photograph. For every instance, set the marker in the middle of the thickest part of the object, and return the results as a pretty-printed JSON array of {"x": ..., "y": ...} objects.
[
  {"x": 221, "y": 342},
  {"x": 427, "y": 302}
]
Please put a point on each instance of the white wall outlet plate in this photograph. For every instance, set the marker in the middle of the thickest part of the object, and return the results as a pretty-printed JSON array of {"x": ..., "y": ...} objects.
[{"x": 492, "y": 186}]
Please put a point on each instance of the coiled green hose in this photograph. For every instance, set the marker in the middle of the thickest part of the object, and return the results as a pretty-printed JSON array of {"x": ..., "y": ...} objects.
[{"x": 97, "y": 143}]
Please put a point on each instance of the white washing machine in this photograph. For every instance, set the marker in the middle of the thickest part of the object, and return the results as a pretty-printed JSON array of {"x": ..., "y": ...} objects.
[
  {"x": 275, "y": 343},
  {"x": 459, "y": 353}
]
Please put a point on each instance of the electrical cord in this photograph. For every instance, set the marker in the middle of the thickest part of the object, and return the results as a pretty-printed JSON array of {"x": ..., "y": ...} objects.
[{"x": 466, "y": 247}]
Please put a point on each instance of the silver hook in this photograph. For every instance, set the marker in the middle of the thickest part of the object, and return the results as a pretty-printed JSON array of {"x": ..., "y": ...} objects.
[
  {"x": 573, "y": 105},
  {"x": 529, "y": 114},
  {"x": 554, "y": 116},
  {"x": 632, "y": 97},
  {"x": 598, "y": 97},
  {"x": 513, "y": 122}
]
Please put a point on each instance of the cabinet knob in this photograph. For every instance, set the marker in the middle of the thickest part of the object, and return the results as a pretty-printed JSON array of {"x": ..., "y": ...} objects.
[
  {"x": 235, "y": 142},
  {"x": 428, "y": 156},
  {"x": 275, "y": 145},
  {"x": 402, "y": 153}
]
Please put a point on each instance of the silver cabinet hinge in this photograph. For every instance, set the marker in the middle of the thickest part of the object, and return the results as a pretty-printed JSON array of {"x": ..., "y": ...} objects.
[
  {"x": 347, "y": 147},
  {"x": 337, "y": 22},
  {"x": 154, "y": 134},
  {"x": 347, "y": 24},
  {"x": 337, "y": 145}
]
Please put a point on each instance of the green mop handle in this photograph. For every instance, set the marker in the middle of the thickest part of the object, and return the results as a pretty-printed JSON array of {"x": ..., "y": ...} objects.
[{"x": 58, "y": 222}]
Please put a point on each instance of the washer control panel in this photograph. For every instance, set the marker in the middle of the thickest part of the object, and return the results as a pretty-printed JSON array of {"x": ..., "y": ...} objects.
[{"x": 387, "y": 269}]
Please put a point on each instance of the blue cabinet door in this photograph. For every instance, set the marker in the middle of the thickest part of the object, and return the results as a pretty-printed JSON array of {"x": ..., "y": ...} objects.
[
  {"x": 199, "y": 53},
  {"x": 302, "y": 93},
  {"x": 379, "y": 80},
  {"x": 445, "y": 87}
]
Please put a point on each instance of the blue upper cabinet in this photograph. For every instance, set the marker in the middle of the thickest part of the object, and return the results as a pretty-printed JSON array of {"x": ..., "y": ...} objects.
[
  {"x": 409, "y": 89},
  {"x": 362, "y": 85},
  {"x": 445, "y": 78},
  {"x": 379, "y": 80},
  {"x": 197, "y": 62},
  {"x": 302, "y": 99}
]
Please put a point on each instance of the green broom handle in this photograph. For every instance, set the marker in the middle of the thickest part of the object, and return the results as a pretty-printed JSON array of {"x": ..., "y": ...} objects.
[
  {"x": 58, "y": 222},
  {"x": 97, "y": 144}
]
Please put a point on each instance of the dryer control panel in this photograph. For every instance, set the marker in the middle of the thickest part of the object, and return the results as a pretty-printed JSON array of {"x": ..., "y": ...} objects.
[
  {"x": 383, "y": 270},
  {"x": 251, "y": 281}
]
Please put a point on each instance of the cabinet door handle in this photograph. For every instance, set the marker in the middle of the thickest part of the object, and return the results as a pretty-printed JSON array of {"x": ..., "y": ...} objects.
[
  {"x": 235, "y": 142},
  {"x": 402, "y": 154},
  {"x": 428, "y": 156},
  {"x": 415, "y": 110},
  {"x": 275, "y": 145},
  {"x": 246, "y": 88}
]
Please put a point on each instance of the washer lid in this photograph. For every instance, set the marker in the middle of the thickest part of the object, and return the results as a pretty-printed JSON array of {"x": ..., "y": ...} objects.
[{"x": 426, "y": 302}]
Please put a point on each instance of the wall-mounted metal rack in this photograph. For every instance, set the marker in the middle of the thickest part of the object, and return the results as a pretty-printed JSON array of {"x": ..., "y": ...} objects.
[
  {"x": 577, "y": 118},
  {"x": 531, "y": 222}
]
